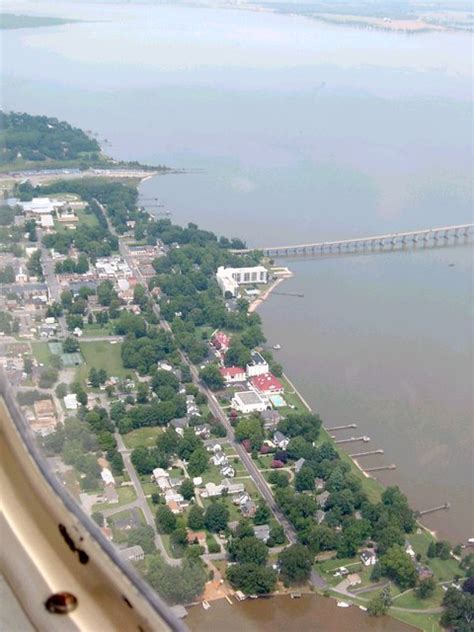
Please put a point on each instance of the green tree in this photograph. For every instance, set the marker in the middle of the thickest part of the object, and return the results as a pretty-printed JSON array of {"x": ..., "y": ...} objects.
[
  {"x": 377, "y": 606},
  {"x": 262, "y": 515},
  {"x": 70, "y": 345},
  {"x": 295, "y": 564},
  {"x": 61, "y": 390},
  {"x": 251, "y": 578},
  {"x": 304, "y": 479},
  {"x": 144, "y": 536},
  {"x": 397, "y": 565},
  {"x": 459, "y": 611},
  {"x": 277, "y": 536},
  {"x": 187, "y": 489},
  {"x": 165, "y": 519},
  {"x": 425, "y": 588},
  {"x": 98, "y": 518},
  {"x": 250, "y": 429},
  {"x": 142, "y": 460},
  {"x": 211, "y": 376},
  {"x": 216, "y": 517},
  {"x": 196, "y": 518},
  {"x": 249, "y": 550},
  {"x": 198, "y": 461}
]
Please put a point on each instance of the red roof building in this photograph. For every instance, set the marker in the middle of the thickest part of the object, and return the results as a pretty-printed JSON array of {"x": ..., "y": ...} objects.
[
  {"x": 221, "y": 341},
  {"x": 267, "y": 384},
  {"x": 233, "y": 374}
]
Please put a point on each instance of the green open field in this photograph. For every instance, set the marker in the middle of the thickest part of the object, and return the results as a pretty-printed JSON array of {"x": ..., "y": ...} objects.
[
  {"x": 85, "y": 219},
  {"x": 41, "y": 352},
  {"x": 142, "y": 437},
  {"x": 102, "y": 355}
]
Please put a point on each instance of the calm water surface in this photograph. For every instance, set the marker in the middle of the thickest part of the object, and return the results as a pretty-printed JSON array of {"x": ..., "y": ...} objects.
[
  {"x": 311, "y": 613},
  {"x": 299, "y": 131}
]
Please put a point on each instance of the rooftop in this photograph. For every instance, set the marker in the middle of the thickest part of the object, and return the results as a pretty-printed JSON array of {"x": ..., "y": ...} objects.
[{"x": 248, "y": 398}]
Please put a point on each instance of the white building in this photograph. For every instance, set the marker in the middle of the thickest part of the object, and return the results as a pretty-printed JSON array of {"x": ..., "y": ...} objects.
[
  {"x": 70, "y": 401},
  {"x": 248, "y": 402},
  {"x": 257, "y": 366},
  {"x": 41, "y": 205},
  {"x": 229, "y": 279},
  {"x": 107, "y": 476}
]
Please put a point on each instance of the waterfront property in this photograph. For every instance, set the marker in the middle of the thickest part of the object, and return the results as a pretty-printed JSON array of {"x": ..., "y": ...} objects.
[
  {"x": 248, "y": 402},
  {"x": 229, "y": 279}
]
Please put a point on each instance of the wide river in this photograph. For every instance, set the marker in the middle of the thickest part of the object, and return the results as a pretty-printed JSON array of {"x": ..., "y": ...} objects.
[{"x": 297, "y": 131}]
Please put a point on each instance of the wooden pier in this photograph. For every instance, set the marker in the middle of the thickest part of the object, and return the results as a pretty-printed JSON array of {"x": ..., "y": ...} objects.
[
  {"x": 334, "y": 428},
  {"x": 433, "y": 509},
  {"x": 364, "y": 438},
  {"x": 369, "y": 453},
  {"x": 380, "y": 468}
]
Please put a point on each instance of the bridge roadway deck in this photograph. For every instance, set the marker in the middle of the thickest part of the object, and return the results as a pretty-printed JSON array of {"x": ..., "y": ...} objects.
[{"x": 399, "y": 237}]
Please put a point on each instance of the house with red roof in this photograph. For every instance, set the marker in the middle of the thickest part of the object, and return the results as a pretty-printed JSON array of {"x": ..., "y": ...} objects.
[
  {"x": 233, "y": 374},
  {"x": 267, "y": 384},
  {"x": 220, "y": 341}
]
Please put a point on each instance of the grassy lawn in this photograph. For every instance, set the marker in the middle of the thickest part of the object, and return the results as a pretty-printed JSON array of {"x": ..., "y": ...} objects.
[
  {"x": 98, "y": 330},
  {"x": 142, "y": 437},
  {"x": 70, "y": 479},
  {"x": 41, "y": 352},
  {"x": 212, "y": 475},
  {"x": 249, "y": 486},
  {"x": 171, "y": 550},
  {"x": 126, "y": 495},
  {"x": 103, "y": 355},
  {"x": 85, "y": 219},
  {"x": 263, "y": 462},
  {"x": 425, "y": 622},
  {"x": 148, "y": 487},
  {"x": 410, "y": 600}
]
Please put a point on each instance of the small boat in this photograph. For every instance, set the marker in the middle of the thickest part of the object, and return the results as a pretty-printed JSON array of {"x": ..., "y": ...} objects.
[
  {"x": 295, "y": 595},
  {"x": 253, "y": 596},
  {"x": 277, "y": 347},
  {"x": 451, "y": 265},
  {"x": 343, "y": 604},
  {"x": 206, "y": 605},
  {"x": 471, "y": 540},
  {"x": 363, "y": 608}
]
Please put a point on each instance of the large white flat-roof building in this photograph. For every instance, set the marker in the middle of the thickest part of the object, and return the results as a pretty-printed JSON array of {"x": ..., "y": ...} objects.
[
  {"x": 229, "y": 279},
  {"x": 41, "y": 205},
  {"x": 249, "y": 402}
]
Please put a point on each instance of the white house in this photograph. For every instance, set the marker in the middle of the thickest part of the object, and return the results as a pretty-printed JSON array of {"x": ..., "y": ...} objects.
[
  {"x": 248, "y": 402},
  {"x": 70, "y": 401},
  {"x": 233, "y": 374},
  {"x": 229, "y": 279},
  {"x": 280, "y": 440},
  {"x": 107, "y": 477},
  {"x": 257, "y": 366},
  {"x": 162, "y": 478},
  {"x": 368, "y": 558}
]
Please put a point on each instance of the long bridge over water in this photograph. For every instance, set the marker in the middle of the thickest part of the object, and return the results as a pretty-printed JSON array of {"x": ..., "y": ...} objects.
[{"x": 388, "y": 242}]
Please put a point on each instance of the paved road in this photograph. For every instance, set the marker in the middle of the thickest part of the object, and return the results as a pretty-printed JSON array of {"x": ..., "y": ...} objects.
[
  {"x": 214, "y": 405},
  {"x": 51, "y": 280},
  {"x": 101, "y": 338},
  {"x": 141, "y": 499}
]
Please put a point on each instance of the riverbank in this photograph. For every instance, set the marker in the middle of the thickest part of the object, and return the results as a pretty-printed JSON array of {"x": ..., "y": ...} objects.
[{"x": 281, "y": 613}]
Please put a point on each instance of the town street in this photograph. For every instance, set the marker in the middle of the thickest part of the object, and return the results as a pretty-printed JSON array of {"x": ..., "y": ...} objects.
[{"x": 141, "y": 501}]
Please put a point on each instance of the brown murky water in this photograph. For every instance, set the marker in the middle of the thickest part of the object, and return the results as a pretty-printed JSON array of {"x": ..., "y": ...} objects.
[{"x": 311, "y": 613}]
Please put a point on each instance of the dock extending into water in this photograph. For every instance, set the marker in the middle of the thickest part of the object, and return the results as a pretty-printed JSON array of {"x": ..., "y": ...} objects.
[{"x": 369, "y": 453}]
